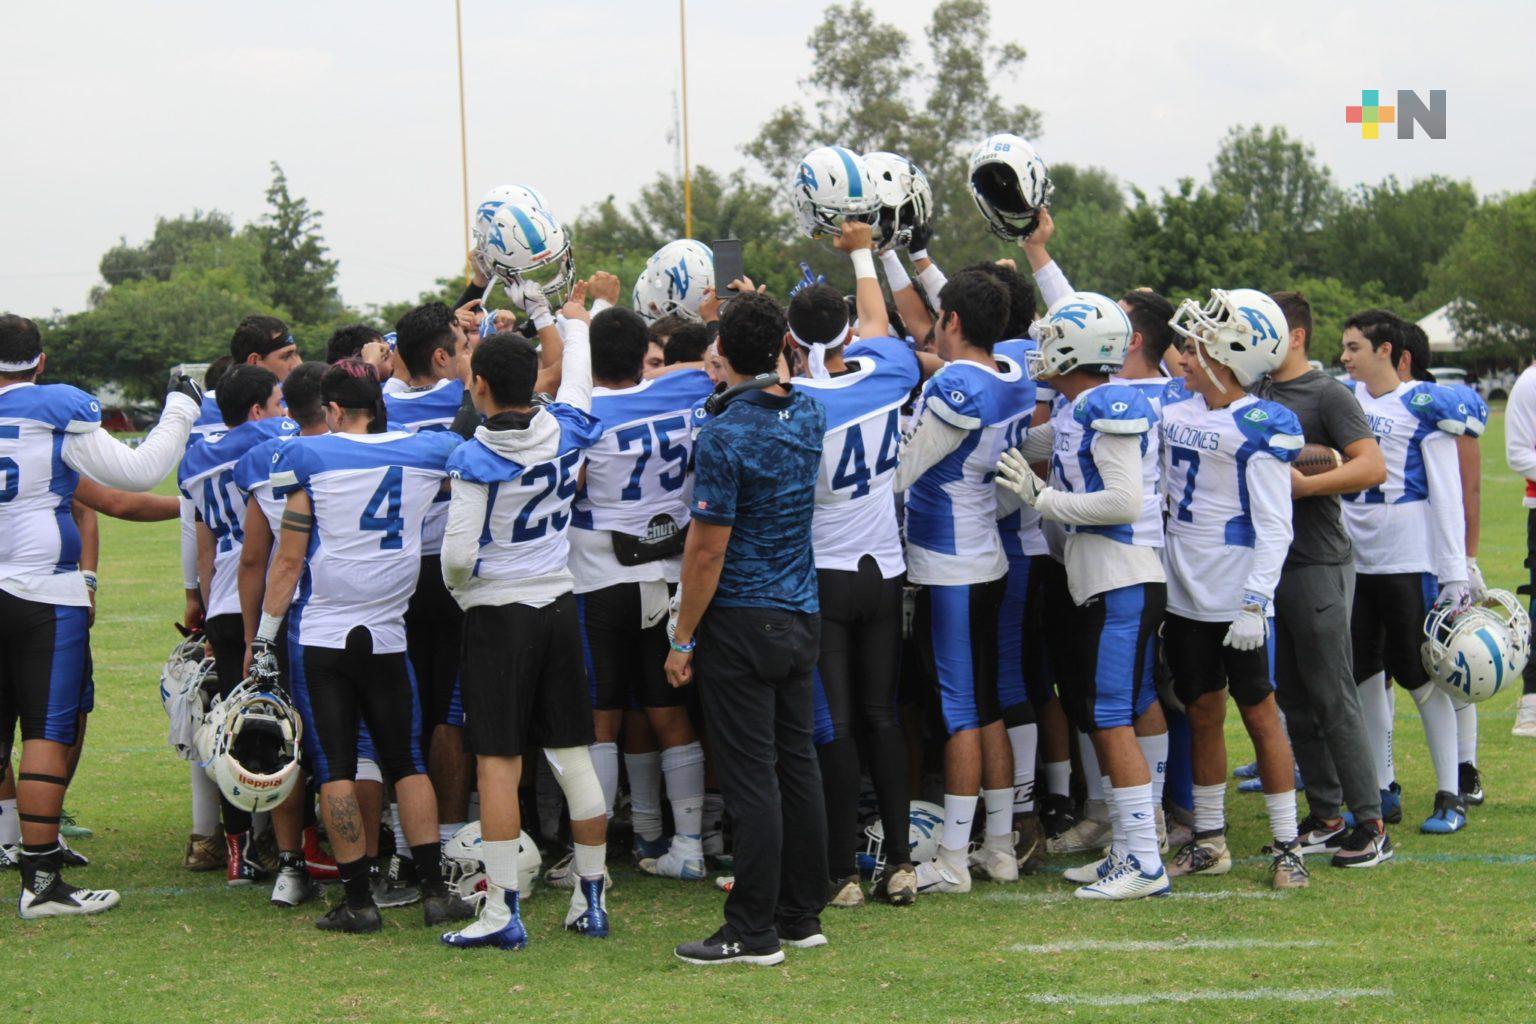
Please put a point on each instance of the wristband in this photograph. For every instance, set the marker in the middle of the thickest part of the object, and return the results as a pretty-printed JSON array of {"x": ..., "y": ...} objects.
[
  {"x": 895, "y": 273},
  {"x": 1256, "y": 602},
  {"x": 90, "y": 579},
  {"x": 686, "y": 648},
  {"x": 270, "y": 624},
  {"x": 917, "y": 254},
  {"x": 542, "y": 319},
  {"x": 863, "y": 263},
  {"x": 599, "y": 304}
]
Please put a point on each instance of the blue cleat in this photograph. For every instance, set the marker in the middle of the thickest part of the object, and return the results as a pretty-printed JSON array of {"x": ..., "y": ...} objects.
[
  {"x": 650, "y": 849},
  {"x": 1251, "y": 783},
  {"x": 1246, "y": 771},
  {"x": 1392, "y": 804},
  {"x": 588, "y": 913},
  {"x": 1450, "y": 815},
  {"x": 499, "y": 925}
]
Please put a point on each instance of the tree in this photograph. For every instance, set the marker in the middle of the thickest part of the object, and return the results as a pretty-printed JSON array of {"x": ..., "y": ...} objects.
[
  {"x": 1395, "y": 235},
  {"x": 1488, "y": 271},
  {"x": 1333, "y": 302},
  {"x": 1282, "y": 189},
  {"x": 173, "y": 242},
  {"x": 293, "y": 254},
  {"x": 1194, "y": 239}
]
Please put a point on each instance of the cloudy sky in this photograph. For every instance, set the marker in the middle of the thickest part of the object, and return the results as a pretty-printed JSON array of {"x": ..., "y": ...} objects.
[{"x": 117, "y": 112}]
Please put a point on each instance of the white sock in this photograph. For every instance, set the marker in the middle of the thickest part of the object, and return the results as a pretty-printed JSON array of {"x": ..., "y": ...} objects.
[
  {"x": 205, "y": 803},
  {"x": 1118, "y": 845},
  {"x": 10, "y": 825},
  {"x": 445, "y": 831},
  {"x": 1378, "y": 718},
  {"x": 683, "y": 768},
  {"x": 402, "y": 846},
  {"x": 1210, "y": 808},
  {"x": 1155, "y": 750},
  {"x": 1282, "y": 815},
  {"x": 605, "y": 762},
  {"x": 1439, "y": 720},
  {"x": 500, "y": 859},
  {"x": 589, "y": 860},
  {"x": 1091, "y": 775},
  {"x": 1466, "y": 734},
  {"x": 1058, "y": 777},
  {"x": 714, "y": 810},
  {"x": 959, "y": 812},
  {"x": 1133, "y": 806},
  {"x": 644, "y": 772},
  {"x": 1024, "y": 739},
  {"x": 999, "y": 807}
]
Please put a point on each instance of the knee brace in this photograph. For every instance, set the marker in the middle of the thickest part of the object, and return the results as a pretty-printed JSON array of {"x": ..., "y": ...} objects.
[{"x": 578, "y": 780}]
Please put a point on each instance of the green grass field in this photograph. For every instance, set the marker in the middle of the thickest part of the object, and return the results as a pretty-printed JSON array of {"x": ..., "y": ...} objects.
[{"x": 1447, "y": 932}]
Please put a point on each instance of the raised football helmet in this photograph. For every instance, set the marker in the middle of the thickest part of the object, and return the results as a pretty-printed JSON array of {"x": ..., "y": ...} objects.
[
  {"x": 1081, "y": 330},
  {"x": 249, "y": 745},
  {"x": 1010, "y": 184},
  {"x": 924, "y": 823},
  {"x": 674, "y": 280},
  {"x": 184, "y": 695},
  {"x": 464, "y": 871},
  {"x": 1243, "y": 329},
  {"x": 1473, "y": 653},
  {"x": 831, "y": 185},
  {"x": 906, "y": 200},
  {"x": 524, "y": 245}
]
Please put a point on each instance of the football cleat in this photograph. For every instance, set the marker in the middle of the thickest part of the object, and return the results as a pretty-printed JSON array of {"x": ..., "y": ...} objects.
[
  {"x": 58, "y": 898},
  {"x": 1127, "y": 882},
  {"x": 1093, "y": 871},
  {"x": 846, "y": 893},
  {"x": 344, "y": 917},
  {"x": 1056, "y": 814},
  {"x": 241, "y": 867},
  {"x": 1287, "y": 870},
  {"x": 1470, "y": 782},
  {"x": 588, "y": 913},
  {"x": 1028, "y": 844},
  {"x": 10, "y": 856},
  {"x": 720, "y": 948},
  {"x": 321, "y": 865},
  {"x": 1449, "y": 815},
  {"x": 1392, "y": 804},
  {"x": 725, "y": 882},
  {"x": 205, "y": 853},
  {"x": 444, "y": 908},
  {"x": 1090, "y": 832},
  {"x": 896, "y": 886},
  {"x": 1252, "y": 784},
  {"x": 563, "y": 874},
  {"x": 499, "y": 926},
  {"x": 397, "y": 887},
  {"x": 1365, "y": 847},
  {"x": 650, "y": 849},
  {"x": 1525, "y": 717},
  {"x": 71, "y": 858},
  {"x": 677, "y": 862},
  {"x": 938, "y": 875},
  {"x": 1246, "y": 771},
  {"x": 1315, "y": 836},
  {"x": 293, "y": 886},
  {"x": 1205, "y": 854},
  {"x": 69, "y": 828},
  {"x": 995, "y": 863}
]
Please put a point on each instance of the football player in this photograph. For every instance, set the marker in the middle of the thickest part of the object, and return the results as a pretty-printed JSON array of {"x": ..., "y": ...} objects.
[
  {"x": 49, "y": 435},
  {"x": 351, "y": 529},
  {"x": 1227, "y": 483},
  {"x": 1103, "y": 487},
  {"x": 1410, "y": 542}
]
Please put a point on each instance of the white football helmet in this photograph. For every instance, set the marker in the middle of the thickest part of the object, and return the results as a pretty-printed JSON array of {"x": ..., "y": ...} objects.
[
  {"x": 906, "y": 200},
  {"x": 485, "y": 217},
  {"x": 1083, "y": 329},
  {"x": 831, "y": 185},
  {"x": 1243, "y": 329},
  {"x": 249, "y": 746},
  {"x": 183, "y": 695},
  {"x": 464, "y": 871},
  {"x": 520, "y": 244},
  {"x": 924, "y": 823},
  {"x": 1009, "y": 183},
  {"x": 674, "y": 280},
  {"x": 1472, "y": 653}
]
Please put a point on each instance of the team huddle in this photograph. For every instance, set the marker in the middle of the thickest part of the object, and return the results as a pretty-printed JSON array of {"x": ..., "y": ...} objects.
[{"x": 1048, "y": 546}]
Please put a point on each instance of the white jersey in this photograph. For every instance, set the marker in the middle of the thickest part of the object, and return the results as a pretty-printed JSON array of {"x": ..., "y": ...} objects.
[
  {"x": 1108, "y": 409},
  {"x": 1414, "y": 521},
  {"x": 1227, "y": 480},
  {"x": 1022, "y": 530},
  {"x": 855, "y": 484},
  {"x": 636, "y": 478},
  {"x": 370, "y": 495},
  {"x": 207, "y": 479},
  {"x": 430, "y": 408}
]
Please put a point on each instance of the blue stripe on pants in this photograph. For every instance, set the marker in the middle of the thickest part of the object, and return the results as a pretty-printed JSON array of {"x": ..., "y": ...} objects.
[
  {"x": 66, "y": 675},
  {"x": 950, "y": 632}
]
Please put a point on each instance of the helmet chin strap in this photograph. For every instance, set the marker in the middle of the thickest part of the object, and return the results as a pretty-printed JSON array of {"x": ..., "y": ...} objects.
[{"x": 1200, "y": 358}]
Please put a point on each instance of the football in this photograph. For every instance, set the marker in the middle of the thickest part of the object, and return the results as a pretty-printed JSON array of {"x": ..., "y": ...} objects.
[{"x": 1317, "y": 458}]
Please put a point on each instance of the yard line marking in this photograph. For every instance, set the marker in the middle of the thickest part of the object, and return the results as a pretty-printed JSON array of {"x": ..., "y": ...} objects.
[
  {"x": 1067, "y": 897},
  {"x": 1440, "y": 858},
  {"x": 1160, "y": 946},
  {"x": 1210, "y": 995}
]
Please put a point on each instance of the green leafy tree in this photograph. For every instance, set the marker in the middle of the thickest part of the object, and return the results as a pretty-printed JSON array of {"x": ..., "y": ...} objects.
[
  {"x": 1488, "y": 272},
  {"x": 1395, "y": 235},
  {"x": 1334, "y": 301},
  {"x": 1194, "y": 239},
  {"x": 1283, "y": 191},
  {"x": 174, "y": 242},
  {"x": 293, "y": 255}
]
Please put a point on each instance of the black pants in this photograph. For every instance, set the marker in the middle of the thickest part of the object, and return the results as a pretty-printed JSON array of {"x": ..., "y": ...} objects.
[
  {"x": 226, "y": 635},
  {"x": 433, "y": 625},
  {"x": 335, "y": 690},
  {"x": 754, "y": 669},
  {"x": 1530, "y": 563}
]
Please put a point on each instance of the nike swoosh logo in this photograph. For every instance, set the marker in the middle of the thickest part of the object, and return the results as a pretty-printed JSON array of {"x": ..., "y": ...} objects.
[
  {"x": 1324, "y": 608},
  {"x": 963, "y": 821}
]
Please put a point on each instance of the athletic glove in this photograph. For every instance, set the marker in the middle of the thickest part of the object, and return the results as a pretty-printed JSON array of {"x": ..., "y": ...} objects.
[
  {"x": 673, "y": 607},
  {"x": 1477, "y": 588},
  {"x": 1014, "y": 473},
  {"x": 181, "y": 384},
  {"x": 264, "y": 662},
  {"x": 1455, "y": 594},
  {"x": 529, "y": 298},
  {"x": 1251, "y": 626},
  {"x": 922, "y": 234}
]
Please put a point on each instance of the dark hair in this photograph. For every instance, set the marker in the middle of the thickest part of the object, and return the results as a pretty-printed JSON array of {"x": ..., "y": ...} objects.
[
  {"x": 1380, "y": 327},
  {"x": 509, "y": 365},
  {"x": 1150, "y": 314},
  {"x": 687, "y": 344},
  {"x": 664, "y": 327},
  {"x": 817, "y": 313},
  {"x": 421, "y": 332},
  {"x": 1021, "y": 297},
  {"x": 1416, "y": 341},
  {"x": 1298, "y": 315},
  {"x": 619, "y": 341},
  {"x": 20, "y": 342},
  {"x": 301, "y": 392},
  {"x": 349, "y": 341},
  {"x": 241, "y": 387},
  {"x": 752, "y": 333},
  {"x": 254, "y": 336},
  {"x": 215, "y": 372},
  {"x": 898, "y": 325},
  {"x": 981, "y": 303},
  {"x": 354, "y": 384}
]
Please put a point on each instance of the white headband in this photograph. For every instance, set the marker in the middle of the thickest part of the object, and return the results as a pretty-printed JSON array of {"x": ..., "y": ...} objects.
[
  {"x": 818, "y": 352},
  {"x": 21, "y": 367}
]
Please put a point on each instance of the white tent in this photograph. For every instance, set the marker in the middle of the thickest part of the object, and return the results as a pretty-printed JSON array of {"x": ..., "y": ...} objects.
[{"x": 1443, "y": 336}]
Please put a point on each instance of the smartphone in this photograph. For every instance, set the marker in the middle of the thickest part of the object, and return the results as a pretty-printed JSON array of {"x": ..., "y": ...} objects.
[{"x": 728, "y": 266}]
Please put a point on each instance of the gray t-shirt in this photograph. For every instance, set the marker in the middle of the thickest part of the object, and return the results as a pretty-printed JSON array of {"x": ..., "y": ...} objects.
[{"x": 1329, "y": 415}]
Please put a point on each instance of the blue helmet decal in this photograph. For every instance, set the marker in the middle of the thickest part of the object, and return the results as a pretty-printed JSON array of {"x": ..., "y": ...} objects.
[
  {"x": 806, "y": 177},
  {"x": 530, "y": 230},
  {"x": 1075, "y": 312},
  {"x": 680, "y": 278},
  {"x": 1259, "y": 322},
  {"x": 487, "y": 211},
  {"x": 855, "y": 183}
]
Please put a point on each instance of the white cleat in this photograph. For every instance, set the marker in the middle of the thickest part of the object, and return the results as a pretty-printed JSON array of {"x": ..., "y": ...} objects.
[
  {"x": 293, "y": 887},
  {"x": 1093, "y": 871},
  {"x": 675, "y": 864},
  {"x": 995, "y": 864},
  {"x": 937, "y": 876},
  {"x": 1525, "y": 717},
  {"x": 563, "y": 874},
  {"x": 60, "y": 899},
  {"x": 1127, "y": 882},
  {"x": 1089, "y": 833}
]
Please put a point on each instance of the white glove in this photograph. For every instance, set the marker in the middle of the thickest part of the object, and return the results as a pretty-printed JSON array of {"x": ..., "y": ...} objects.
[
  {"x": 1014, "y": 473},
  {"x": 529, "y": 298},
  {"x": 672, "y": 609},
  {"x": 1456, "y": 594},
  {"x": 1477, "y": 588},
  {"x": 1251, "y": 626}
]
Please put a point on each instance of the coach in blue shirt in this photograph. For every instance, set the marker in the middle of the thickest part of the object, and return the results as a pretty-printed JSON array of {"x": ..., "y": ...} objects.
[{"x": 748, "y": 616}]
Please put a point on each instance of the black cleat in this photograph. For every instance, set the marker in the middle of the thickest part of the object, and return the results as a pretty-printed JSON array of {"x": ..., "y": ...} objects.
[
  {"x": 445, "y": 908},
  {"x": 1470, "y": 782},
  {"x": 1365, "y": 847},
  {"x": 719, "y": 948},
  {"x": 344, "y": 917}
]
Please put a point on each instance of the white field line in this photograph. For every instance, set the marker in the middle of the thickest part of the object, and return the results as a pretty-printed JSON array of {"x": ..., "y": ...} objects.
[
  {"x": 1067, "y": 897},
  {"x": 1160, "y": 946},
  {"x": 1211, "y": 995}
]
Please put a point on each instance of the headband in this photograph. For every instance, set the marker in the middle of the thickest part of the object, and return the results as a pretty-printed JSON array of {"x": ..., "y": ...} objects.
[
  {"x": 818, "y": 351},
  {"x": 21, "y": 367}
]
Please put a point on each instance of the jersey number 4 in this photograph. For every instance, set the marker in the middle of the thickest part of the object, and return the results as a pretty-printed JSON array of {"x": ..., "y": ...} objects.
[
  {"x": 382, "y": 513},
  {"x": 852, "y": 466}
]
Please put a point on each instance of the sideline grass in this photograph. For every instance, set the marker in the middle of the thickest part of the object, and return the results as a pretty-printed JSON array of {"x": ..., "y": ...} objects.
[{"x": 1446, "y": 933}]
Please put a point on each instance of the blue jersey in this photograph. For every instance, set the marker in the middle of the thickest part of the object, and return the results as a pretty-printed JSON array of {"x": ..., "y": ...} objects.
[
  {"x": 952, "y": 535},
  {"x": 253, "y": 475},
  {"x": 209, "y": 422},
  {"x": 1476, "y": 409},
  {"x": 39, "y": 545},
  {"x": 370, "y": 493},
  {"x": 1108, "y": 409},
  {"x": 1021, "y": 530},
  {"x": 418, "y": 409},
  {"x": 855, "y": 497}
]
